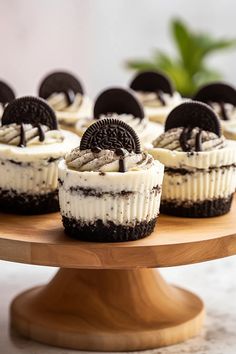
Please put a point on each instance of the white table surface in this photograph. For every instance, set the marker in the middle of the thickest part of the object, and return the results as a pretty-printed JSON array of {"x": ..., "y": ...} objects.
[{"x": 214, "y": 281}]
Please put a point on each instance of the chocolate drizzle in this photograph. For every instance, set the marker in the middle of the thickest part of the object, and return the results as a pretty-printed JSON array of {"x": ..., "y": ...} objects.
[
  {"x": 96, "y": 149},
  {"x": 41, "y": 133},
  {"x": 22, "y": 142},
  {"x": 160, "y": 96},
  {"x": 70, "y": 96},
  {"x": 186, "y": 135},
  {"x": 121, "y": 152},
  {"x": 198, "y": 142},
  {"x": 223, "y": 112}
]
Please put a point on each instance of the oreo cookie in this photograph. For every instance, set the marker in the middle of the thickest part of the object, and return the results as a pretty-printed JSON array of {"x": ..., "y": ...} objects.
[
  {"x": 58, "y": 82},
  {"x": 6, "y": 93},
  {"x": 216, "y": 92},
  {"x": 29, "y": 110},
  {"x": 194, "y": 114},
  {"x": 152, "y": 81},
  {"x": 117, "y": 100},
  {"x": 111, "y": 134}
]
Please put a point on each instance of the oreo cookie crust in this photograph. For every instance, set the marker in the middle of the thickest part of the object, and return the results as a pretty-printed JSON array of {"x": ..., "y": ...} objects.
[
  {"x": 194, "y": 114},
  {"x": 29, "y": 110},
  {"x": 117, "y": 100},
  {"x": 217, "y": 92},
  {"x": 28, "y": 204},
  {"x": 152, "y": 81},
  {"x": 60, "y": 81},
  {"x": 6, "y": 93},
  {"x": 111, "y": 134},
  {"x": 201, "y": 209},
  {"x": 109, "y": 232}
]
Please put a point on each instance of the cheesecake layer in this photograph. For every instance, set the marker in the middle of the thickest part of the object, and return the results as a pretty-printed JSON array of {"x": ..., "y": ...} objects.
[
  {"x": 33, "y": 169},
  {"x": 198, "y": 176},
  {"x": 121, "y": 198}
]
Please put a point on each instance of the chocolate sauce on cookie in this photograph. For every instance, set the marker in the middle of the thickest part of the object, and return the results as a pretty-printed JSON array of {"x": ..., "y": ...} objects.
[{"x": 22, "y": 136}]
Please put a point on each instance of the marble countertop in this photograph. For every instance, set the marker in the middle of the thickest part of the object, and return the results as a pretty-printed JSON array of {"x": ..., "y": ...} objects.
[{"x": 213, "y": 281}]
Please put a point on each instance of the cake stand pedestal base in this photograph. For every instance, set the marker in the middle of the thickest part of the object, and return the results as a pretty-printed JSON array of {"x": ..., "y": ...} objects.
[{"x": 107, "y": 310}]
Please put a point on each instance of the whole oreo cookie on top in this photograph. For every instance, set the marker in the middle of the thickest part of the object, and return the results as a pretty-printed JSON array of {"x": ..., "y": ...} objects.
[
  {"x": 152, "y": 81},
  {"x": 194, "y": 114},
  {"x": 216, "y": 92},
  {"x": 111, "y": 134},
  {"x": 117, "y": 100},
  {"x": 6, "y": 93},
  {"x": 58, "y": 82},
  {"x": 29, "y": 110}
]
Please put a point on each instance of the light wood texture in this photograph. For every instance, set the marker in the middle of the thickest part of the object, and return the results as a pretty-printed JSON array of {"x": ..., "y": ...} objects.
[
  {"x": 176, "y": 241},
  {"x": 107, "y": 310}
]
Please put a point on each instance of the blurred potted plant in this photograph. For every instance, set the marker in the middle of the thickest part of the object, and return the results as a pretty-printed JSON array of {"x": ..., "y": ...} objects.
[{"x": 189, "y": 68}]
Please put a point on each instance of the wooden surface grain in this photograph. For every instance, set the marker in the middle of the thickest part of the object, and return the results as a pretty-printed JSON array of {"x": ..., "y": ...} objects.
[
  {"x": 107, "y": 310},
  {"x": 175, "y": 241}
]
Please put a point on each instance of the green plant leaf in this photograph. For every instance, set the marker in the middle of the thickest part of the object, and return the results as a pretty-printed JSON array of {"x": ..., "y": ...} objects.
[
  {"x": 188, "y": 69},
  {"x": 183, "y": 40},
  {"x": 209, "y": 45},
  {"x": 140, "y": 65}
]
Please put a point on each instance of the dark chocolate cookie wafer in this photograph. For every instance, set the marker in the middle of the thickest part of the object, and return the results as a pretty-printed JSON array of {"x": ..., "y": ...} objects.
[
  {"x": 6, "y": 93},
  {"x": 29, "y": 110},
  {"x": 152, "y": 81},
  {"x": 216, "y": 92},
  {"x": 117, "y": 100},
  {"x": 110, "y": 134},
  {"x": 194, "y": 114},
  {"x": 61, "y": 82}
]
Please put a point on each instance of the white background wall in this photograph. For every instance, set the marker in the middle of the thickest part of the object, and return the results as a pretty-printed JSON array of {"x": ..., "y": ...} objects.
[{"x": 94, "y": 37}]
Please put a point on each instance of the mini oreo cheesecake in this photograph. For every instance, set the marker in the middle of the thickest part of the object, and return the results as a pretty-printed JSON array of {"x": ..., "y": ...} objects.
[
  {"x": 156, "y": 93},
  {"x": 6, "y": 95},
  {"x": 65, "y": 94},
  {"x": 30, "y": 148},
  {"x": 200, "y": 164},
  {"x": 121, "y": 104},
  {"x": 109, "y": 190},
  {"x": 222, "y": 98}
]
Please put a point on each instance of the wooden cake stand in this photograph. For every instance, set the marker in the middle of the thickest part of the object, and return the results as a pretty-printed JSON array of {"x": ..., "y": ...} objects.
[{"x": 104, "y": 297}]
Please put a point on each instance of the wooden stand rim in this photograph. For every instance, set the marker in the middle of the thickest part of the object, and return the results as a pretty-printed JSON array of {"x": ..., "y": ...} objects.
[{"x": 176, "y": 241}]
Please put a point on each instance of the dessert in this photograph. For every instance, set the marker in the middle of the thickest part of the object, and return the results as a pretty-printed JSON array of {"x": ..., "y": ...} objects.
[
  {"x": 156, "y": 93},
  {"x": 200, "y": 164},
  {"x": 65, "y": 94},
  {"x": 119, "y": 103},
  {"x": 6, "y": 96},
  {"x": 222, "y": 98},
  {"x": 30, "y": 148},
  {"x": 109, "y": 190}
]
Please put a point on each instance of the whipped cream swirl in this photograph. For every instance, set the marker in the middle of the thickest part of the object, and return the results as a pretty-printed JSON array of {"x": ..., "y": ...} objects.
[
  {"x": 27, "y": 134},
  {"x": 98, "y": 160},
  {"x": 186, "y": 139},
  {"x": 59, "y": 102}
]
